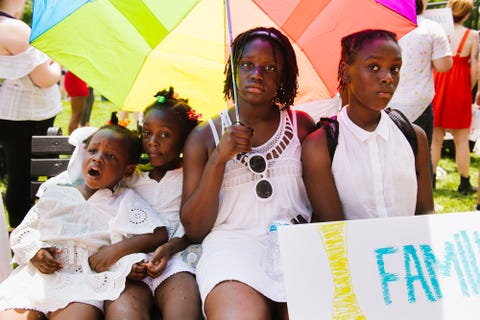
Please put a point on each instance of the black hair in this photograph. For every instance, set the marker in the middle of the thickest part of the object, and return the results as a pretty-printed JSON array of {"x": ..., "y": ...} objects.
[
  {"x": 354, "y": 42},
  {"x": 420, "y": 7},
  {"x": 288, "y": 82},
  {"x": 131, "y": 140},
  {"x": 167, "y": 100}
]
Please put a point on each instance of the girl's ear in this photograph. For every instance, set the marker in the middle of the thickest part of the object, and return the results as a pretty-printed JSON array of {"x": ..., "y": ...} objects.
[
  {"x": 345, "y": 72},
  {"x": 129, "y": 170}
]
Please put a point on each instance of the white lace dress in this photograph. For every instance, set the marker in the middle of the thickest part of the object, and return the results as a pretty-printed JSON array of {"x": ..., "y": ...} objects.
[
  {"x": 235, "y": 247},
  {"x": 64, "y": 219},
  {"x": 165, "y": 197}
]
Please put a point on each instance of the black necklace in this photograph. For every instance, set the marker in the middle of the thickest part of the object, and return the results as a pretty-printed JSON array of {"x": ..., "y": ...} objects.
[{"x": 4, "y": 14}]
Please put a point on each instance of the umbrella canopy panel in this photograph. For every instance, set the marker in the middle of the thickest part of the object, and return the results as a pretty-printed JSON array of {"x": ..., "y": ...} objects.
[{"x": 130, "y": 49}]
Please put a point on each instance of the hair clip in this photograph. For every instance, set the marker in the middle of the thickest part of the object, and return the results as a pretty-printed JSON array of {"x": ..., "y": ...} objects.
[
  {"x": 192, "y": 115},
  {"x": 124, "y": 123},
  {"x": 161, "y": 99}
]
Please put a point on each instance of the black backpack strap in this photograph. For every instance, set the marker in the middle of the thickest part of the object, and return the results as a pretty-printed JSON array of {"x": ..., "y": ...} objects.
[
  {"x": 330, "y": 125},
  {"x": 405, "y": 126}
]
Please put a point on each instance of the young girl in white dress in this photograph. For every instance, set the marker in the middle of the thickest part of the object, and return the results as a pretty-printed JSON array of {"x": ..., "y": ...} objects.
[
  {"x": 76, "y": 246},
  {"x": 228, "y": 201},
  {"x": 374, "y": 171},
  {"x": 170, "y": 277}
]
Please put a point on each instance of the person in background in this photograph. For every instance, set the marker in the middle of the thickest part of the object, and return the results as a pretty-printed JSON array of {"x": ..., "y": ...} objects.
[
  {"x": 77, "y": 245},
  {"x": 240, "y": 175},
  {"x": 452, "y": 104},
  {"x": 373, "y": 171},
  {"x": 29, "y": 101},
  {"x": 78, "y": 92},
  {"x": 124, "y": 118},
  {"x": 169, "y": 276},
  {"x": 424, "y": 49},
  {"x": 87, "y": 111}
]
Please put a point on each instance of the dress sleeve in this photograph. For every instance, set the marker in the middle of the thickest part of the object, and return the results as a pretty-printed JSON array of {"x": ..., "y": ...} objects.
[
  {"x": 21, "y": 64},
  {"x": 25, "y": 240},
  {"x": 135, "y": 216}
]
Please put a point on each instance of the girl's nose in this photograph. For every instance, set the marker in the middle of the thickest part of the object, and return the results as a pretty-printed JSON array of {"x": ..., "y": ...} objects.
[
  {"x": 153, "y": 140},
  {"x": 97, "y": 158},
  {"x": 386, "y": 77},
  {"x": 257, "y": 71}
]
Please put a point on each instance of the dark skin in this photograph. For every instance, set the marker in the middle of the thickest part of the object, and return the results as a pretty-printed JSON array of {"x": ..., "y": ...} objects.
[
  {"x": 177, "y": 297},
  {"x": 258, "y": 77},
  {"x": 205, "y": 163},
  {"x": 161, "y": 140},
  {"x": 104, "y": 166},
  {"x": 372, "y": 78}
]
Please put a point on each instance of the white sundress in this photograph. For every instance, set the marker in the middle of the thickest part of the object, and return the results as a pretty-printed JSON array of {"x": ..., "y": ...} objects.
[
  {"x": 165, "y": 197},
  {"x": 236, "y": 245},
  {"x": 62, "y": 218}
]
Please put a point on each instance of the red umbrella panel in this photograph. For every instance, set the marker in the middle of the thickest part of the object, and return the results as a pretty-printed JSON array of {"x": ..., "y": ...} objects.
[{"x": 317, "y": 27}]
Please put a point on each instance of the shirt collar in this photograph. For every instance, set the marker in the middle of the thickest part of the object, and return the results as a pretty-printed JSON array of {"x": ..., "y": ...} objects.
[{"x": 362, "y": 134}]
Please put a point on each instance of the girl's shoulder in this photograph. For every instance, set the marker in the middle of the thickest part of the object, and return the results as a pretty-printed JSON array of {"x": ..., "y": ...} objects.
[
  {"x": 14, "y": 36},
  {"x": 305, "y": 123}
]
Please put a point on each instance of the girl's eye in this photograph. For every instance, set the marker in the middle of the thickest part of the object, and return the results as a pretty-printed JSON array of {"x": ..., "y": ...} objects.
[
  {"x": 246, "y": 65},
  {"x": 111, "y": 156},
  {"x": 396, "y": 69},
  {"x": 146, "y": 134},
  {"x": 270, "y": 68},
  {"x": 91, "y": 151},
  {"x": 373, "y": 67},
  {"x": 164, "y": 135}
]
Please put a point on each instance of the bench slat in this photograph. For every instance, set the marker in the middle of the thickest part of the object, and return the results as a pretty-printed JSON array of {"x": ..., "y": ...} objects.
[
  {"x": 51, "y": 145},
  {"x": 48, "y": 167},
  {"x": 50, "y": 156}
]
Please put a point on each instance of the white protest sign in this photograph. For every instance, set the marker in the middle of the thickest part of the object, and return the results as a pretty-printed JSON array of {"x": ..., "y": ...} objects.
[
  {"x": 444, "y": 17},
  {"x": 421, "y": 267}
]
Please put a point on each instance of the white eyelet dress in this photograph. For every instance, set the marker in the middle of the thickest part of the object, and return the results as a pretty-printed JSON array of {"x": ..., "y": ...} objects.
[
  {"x": 62, "y": 218},
  {"x": 235, "y": 247}
]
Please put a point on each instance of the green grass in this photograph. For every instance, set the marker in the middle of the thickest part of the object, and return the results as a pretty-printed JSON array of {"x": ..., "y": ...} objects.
[
  {"x": 100, "y": 115},
  {"x": 446, "y": 194}
]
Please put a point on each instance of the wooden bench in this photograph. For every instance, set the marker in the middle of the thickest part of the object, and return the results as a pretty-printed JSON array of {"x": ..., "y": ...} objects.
[{"x": 50, "y": 156}]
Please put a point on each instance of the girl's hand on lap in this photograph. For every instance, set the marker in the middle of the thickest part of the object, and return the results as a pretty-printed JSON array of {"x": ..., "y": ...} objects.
[
  {"x": 44, "y": 260},
  {"x": 159, "y": 261},
  {"x": 138, "y": 272},
  {"x": 103, "y": 259}
]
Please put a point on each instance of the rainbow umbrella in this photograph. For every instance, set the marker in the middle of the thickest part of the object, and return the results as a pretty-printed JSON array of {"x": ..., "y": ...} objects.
[{"x": 130, "y": 49}]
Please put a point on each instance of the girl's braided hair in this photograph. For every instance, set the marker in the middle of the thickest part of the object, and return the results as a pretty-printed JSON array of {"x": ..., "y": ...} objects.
[
  {"x": 168, "y": 100},
  {"x": 288, "y": 82},
  {"x": 131, "y": 139},
  {"x": 354, "y": 42}
]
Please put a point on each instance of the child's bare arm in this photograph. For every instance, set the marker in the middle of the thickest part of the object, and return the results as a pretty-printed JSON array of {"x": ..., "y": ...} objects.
[
  {"x": 108, "y": 255},
  {"x": 162, "y": 254}
]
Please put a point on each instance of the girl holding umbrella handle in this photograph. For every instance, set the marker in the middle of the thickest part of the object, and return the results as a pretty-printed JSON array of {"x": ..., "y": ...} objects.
[{"x": 240, "y": 178}]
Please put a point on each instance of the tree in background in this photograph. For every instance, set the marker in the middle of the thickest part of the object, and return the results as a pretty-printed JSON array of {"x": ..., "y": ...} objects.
[
  {"x": 472, "y": 22},
  {"x": 27, "y": 13}
]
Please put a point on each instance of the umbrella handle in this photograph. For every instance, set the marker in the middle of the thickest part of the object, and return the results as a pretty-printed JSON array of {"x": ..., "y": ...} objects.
[{"x": 232, "y": 65}]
